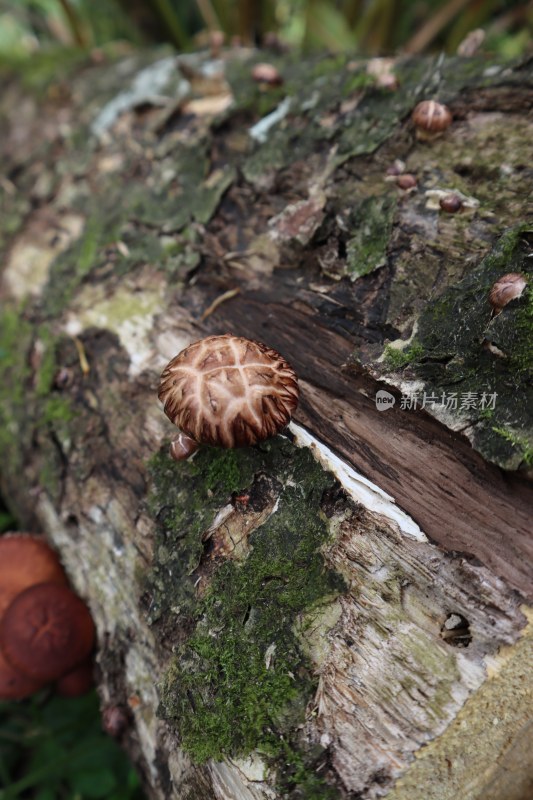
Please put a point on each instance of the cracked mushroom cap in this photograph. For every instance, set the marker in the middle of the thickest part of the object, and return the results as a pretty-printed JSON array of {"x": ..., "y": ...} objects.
[
  {"x": 228, "y": 391},
  {"x": 46, "y": 631},
  {"x": 24, "y": 561}
]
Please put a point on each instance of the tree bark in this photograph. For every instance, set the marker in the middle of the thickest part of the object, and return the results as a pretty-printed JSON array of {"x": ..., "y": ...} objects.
[{"x": 341, "y": 612}]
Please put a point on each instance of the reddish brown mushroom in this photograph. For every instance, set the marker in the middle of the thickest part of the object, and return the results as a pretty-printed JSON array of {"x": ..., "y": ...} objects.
[
  {"x": 13, "y": 684},
  {"x": 76, "y": 682},
  {"x": 406, "y": 181},
  {"x": 24, "y": 561},
  {"x": 227, "y": 391},
  {"x": 431, "y": 119},
  {"x": 46, "y": 631},
  {"x": 451, "y": 203},
  {"x": 508, "y": 287}
]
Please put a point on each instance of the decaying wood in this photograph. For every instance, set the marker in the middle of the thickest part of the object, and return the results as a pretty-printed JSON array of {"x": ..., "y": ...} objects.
[{"x": 153, "y": 201}]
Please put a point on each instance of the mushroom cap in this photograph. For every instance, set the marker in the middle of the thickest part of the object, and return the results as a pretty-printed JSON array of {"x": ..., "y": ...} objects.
[
  {"x": 508, "y": 287},
  {"x": 432, "y": 116},
  {"x": 451, "y": 203},
  {"x": 266, "y": 73},
  {"x": 13, "y": 684},
  {"x": 46, "y": 631},
  {"x": 228, "y": 391},
  {"x": 406, "y": 181},
  {"x": 24, "y": 561},
  {"x": 76, "y": 682}
]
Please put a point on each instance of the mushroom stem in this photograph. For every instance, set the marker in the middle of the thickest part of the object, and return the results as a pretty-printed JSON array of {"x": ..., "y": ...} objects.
[{"x": 182, "y": 447}]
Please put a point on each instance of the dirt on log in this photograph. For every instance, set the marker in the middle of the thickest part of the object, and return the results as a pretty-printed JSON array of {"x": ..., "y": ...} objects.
[{"x": 342, "y": 611}]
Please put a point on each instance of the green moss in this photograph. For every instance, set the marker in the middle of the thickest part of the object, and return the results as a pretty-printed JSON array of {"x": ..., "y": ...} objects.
[
  {"x": 44, "y": 67},
  {"x": 462, "y": 349},
  {"x": 53, "y": 407},
  {"x": 370, "y": 227},
  {"x": 395, "y": 358},
  {"x": 517, "y": 442},
  {"x": 32, "y": 414},
  {"x": 182, "y": 257},
  {"x": 521, "y": 355},
  {"x": 240, "y": 682},
  {"x": 75, "y": 264},
  {"x": 57, "y": 409},
  {"x": 185, "y": 507},
  {"x": 15, "y": 341},
  {"x": 48, "y": 366}
]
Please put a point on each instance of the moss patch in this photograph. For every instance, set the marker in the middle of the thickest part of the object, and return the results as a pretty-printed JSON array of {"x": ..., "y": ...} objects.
[
  {"x": 396, "y": 358},
  {"x": 370, "y": 231},
  {"x": 75, "y": 264},
  {"x": 487, "y": 363},
  {"x": 15, "y": 340},
  {"x": 240, "y": 682},
  {"x": 32, "y": 413}
]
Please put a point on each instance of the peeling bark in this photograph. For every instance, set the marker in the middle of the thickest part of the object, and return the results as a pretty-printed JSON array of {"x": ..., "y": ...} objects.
[{"x": 340, "y": 612}]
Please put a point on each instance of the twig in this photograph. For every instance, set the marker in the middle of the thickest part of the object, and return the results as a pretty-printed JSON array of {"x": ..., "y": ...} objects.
[
  {"x": 84, "y": 364},
  {"x": 218, "y": 301}
]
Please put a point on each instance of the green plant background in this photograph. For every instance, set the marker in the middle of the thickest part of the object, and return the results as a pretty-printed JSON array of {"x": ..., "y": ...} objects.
[
  {"x": 53, "y": 748},
  {"x": 369, "y": 27}
]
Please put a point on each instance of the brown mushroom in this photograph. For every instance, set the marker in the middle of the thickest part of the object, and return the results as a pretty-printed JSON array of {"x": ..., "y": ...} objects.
[
  {"x": 406, "y": 182},
  {"x": 13, "y": 684},
  {"x": 508, "y": 287},
  {"x": 76, "y": 682},
  {"x": 46, "y": 631},
  {"x": 227, "y": 391},
  {"x": 24, "y": 561},
  {"x": 266, "y": 74},
  {"x": 451, "y": 203},
  {"x": 431, "y": 119}
]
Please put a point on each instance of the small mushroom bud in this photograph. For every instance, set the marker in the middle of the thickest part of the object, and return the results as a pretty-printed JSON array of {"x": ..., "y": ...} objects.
[
  {"x": 227, "y": 391},
  {"x": 508, "y": 287},
  {"x": 266, "y": 73},
  {"x": 406, "y": 181},
  {"x": 451, "y": 203},
  {"x": 182, "y": 447},
  {"x": 46, "y": 631},
  {"x": 431, "y": 119}
]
